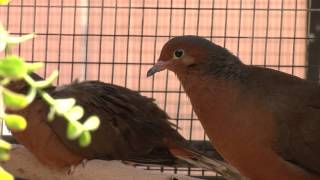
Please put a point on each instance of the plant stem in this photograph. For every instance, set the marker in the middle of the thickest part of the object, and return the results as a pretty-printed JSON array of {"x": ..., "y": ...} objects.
[
  {"x": 47, "y": 97},
  {"x": 2, "y": 109}
]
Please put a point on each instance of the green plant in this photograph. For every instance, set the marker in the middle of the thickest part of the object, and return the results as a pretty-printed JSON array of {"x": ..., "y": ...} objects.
[
  {"x": 4, "y": 2},
  {"x": 14, "y": 68}
]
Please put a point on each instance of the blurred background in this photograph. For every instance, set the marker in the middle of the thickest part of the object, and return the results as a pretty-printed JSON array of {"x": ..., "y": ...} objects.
[{"x": 118, "y": 41}]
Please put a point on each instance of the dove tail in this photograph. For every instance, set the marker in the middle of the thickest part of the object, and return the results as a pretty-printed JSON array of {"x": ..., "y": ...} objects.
[{"x": 197, "y": 159}]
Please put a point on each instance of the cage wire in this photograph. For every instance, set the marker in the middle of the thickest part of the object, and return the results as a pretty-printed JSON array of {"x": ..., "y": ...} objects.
[{"x": 117, "y": 41}]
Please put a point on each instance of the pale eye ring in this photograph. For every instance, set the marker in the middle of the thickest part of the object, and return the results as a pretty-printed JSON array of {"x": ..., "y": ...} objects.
[{"x": 178, "y": 53}]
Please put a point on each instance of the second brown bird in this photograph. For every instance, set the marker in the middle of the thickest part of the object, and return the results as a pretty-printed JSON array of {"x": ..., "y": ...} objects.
[{"x": 132, "y": 128}]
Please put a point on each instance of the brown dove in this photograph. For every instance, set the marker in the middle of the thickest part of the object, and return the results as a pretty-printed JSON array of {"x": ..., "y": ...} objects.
[
  {"x": 132, "y": 128},
  {"x": 264, "y": 122}
]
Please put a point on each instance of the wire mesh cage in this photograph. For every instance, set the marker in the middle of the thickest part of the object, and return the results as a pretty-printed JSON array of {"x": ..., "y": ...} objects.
[{"x": 117, "y": 41}]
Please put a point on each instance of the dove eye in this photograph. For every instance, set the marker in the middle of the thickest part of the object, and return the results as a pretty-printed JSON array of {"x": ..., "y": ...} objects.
[{"x": 178, "y": 53}]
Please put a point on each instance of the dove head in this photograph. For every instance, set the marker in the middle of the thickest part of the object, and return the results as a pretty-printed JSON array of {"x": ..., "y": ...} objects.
[{"x": 185, "y": 52}]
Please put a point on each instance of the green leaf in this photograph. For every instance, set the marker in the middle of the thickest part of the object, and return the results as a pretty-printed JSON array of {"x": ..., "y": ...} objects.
[
  {"x": 4, "y": 2},
  {"x": 32, "y": 93},
  {"x": 75, "y": 113},
  {"x": 34, "y": 66},
  {"x": 64, "y": 105},
  {"x": 4, "y": 155},
  {"x": 48, "y": 81},
  {"x": 92, "y": 123},
  {"x": 84, "y": 139},
  {"x": 74, "y": 130},
  {"x": 2, "y": 29},
  {"x": 5, "y": 81},
  {"x": 3, "y": 44},
  {"x": 15, "y": 122},
  {"x": 4, "y": 145},
  {"x": 13, "y": 67},
  {"x": 51, "y": 114},
  {"x": 13, "y": 40},
  {"x": 16, "y": 100},
  {"x": 3, "y": 36},
  {"x": 5, "y": 175}
]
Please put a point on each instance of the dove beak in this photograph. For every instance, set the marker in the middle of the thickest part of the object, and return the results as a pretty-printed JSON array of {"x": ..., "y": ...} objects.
[{"x": 159, "y": 66}]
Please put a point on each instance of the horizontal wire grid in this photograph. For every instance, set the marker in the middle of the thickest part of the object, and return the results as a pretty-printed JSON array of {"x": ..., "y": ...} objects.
[{"x": 117, "y": 41}]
